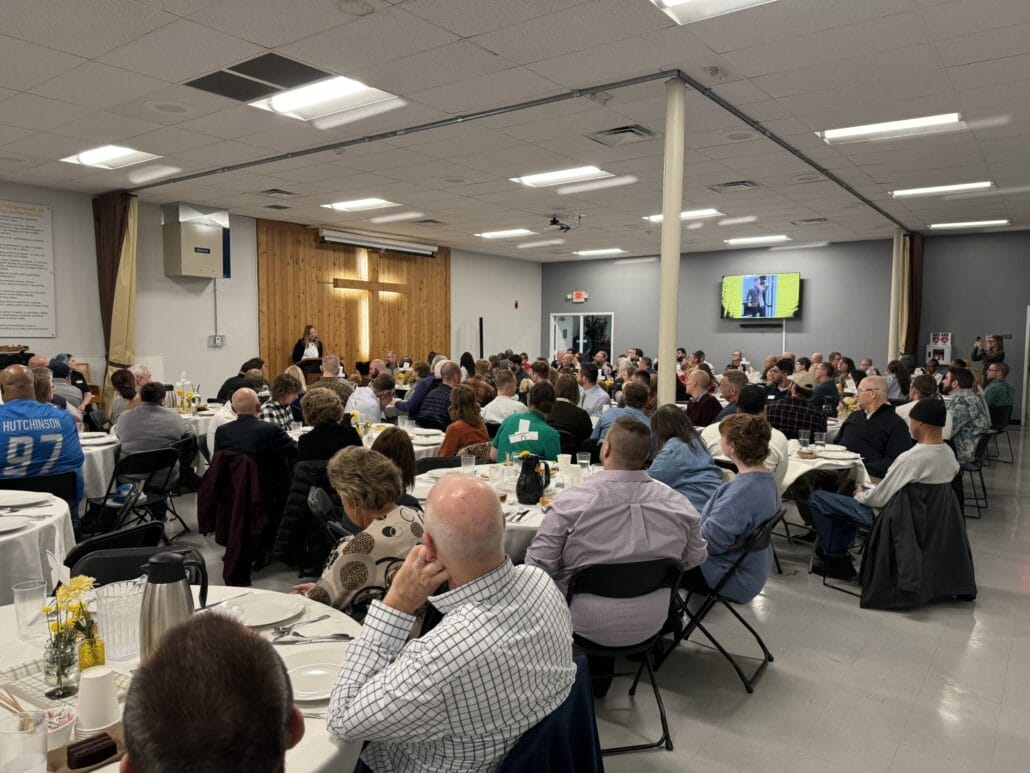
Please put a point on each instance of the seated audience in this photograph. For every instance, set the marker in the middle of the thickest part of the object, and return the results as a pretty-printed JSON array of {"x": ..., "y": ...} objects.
[
  {"x": 682, "y": 461},
  {"x": 223, "y": 415},
  {"x": 529, "y": 431},
  {"x": 999, "y": 392},
  {"x": 928, "y": 461},
  {"x": 395, "y": 445},
  {"x": 816, "y": 358},
  {"x": 846, "y": 374},
  {"x": 332, "y": 379},
  {"x": 777, "y": 379},
  {"x": 920, "y": 388},
  {"x": 233, "y": 383},
  {"x": 594, "y": 398},
  {"x": 702, "y": 407},
  {"x": 825, "y": 395},
  {"x": 370, "y": 401},
  {"x": 63, "y": 387},
  {"x": 231, "y": 709},
  {"x": 75, "y": 377},
  {"x": 126, "y": 397},
  {"x": 361, "y": 567},
  {"x": 969, "y": 415},
  {"x": 506, "y": 403},
  {"x": 417, "y": 393},
  {"x": 933, "y": 369},
  {"x": 479, "y": 384},
  {"x": 499, "y": 661},
  {"x": 278, "y": 410},
  {"x": 142, "y": 375},
  {"x": 635, "y": 396},
  {"x": 268, "y": 445},
  {"x": 331, "y": 429},
  {"x": 796, "y": 413},
  {"x": 866, "y": 366},
  {"x": 898, "y": 380},
  {"x": 466, "y": 425},
  {"x": 736, "y": 510},
  {"x": 302, "y": 380},
  {"x": 255, "y": 379},
  {"x": 729, "y": 387},
  {"x": 751, "y": 401},
  {"x": 736, "y": 362},
  {"x": 566, "y": 415},
  {"x": 993, "y": 352},
  {"x": 802, "y": 365},
  {"x": 152, "y": 426},
  {"x": 435, "y": 410}
]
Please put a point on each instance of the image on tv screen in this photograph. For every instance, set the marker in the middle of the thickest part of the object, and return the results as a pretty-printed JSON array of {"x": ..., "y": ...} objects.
[{"x": 761, "y": 296}]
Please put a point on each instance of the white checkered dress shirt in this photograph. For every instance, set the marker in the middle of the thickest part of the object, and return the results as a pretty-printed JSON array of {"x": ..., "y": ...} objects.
[
  {"x": 459, "y": 697},
  {"x": 278, "y": 414}
]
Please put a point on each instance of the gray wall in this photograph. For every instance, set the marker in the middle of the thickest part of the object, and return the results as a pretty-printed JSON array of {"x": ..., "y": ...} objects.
[
  {"x": 844, "y": 305},
  {"x": 974, "y": 285}
]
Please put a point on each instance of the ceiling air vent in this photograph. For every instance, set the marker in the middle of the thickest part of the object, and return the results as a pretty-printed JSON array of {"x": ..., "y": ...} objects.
[
  {"x": 810, "y": 221},
  {"x": 259, "y": 77},
  {"x": 278, "y": 193},
  {"x": 736, "y": 186},
  {"x": 622, "y": 135},
  {"x": 276, "y": 206},
  {"x": 428, "y": 221}
]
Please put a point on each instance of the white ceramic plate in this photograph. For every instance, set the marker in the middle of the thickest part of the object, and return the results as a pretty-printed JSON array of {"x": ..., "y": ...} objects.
[
  {"x": 425, "y": 441},
  {"x": 839, "y": 455},
  {"x": 262, "y": 609},
  {"x": 105, "y": 440},
  {"x": 423, "y": 432},
  {"x": 834, "y": 447},
  {"x": 86, "y": 435},
  {"x": 313, "y": 669},
  {"x": 23, "y": 498},
  {"x": 12, "y": 523}
]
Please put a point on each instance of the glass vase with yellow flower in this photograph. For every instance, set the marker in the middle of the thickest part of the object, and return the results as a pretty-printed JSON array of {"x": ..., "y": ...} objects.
[{"x": 68, "y": 617}]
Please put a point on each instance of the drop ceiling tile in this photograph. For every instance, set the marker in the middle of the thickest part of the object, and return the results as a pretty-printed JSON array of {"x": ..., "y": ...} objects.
[
  {"x": 990, "y": 44},
  {"x": 102, "y": 128},
  {"x": 24, "y": 65},
  {"x": 13, "y": 133},
  {"x": 507, "y": 87},
  {"x": 171, "y": 139},
  {"x": 181, "y": 51},
  {"x": 223, "y": 153},
  {"x": 98, "y": 86},
  {"x": 961, "y": 17},
  {"x": 271, "y": 22},
  {"x": 384, "y": 36},
  {"x": 32, "y": 112},
  {"x": 179, "y": 7},
  {"x": 236, "y": 122},
  {"x": 46, "y": 146},
  {"x": 468, "y": 19},
  {"x": 294, "y": 135},
  {"x": 894, "y": 95},
  {"x": 192, "y": 102},
  {"x": 446, "y": 64}
]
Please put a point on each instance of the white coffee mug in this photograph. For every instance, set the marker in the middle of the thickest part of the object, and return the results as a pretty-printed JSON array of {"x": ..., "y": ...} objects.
[{"x": 98, "y": 698}]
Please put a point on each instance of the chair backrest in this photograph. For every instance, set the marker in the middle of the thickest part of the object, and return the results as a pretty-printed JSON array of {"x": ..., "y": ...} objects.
[
  {"x": 436, "y": 463},
  {"x": 759, "y": 539},
  {"x": 481, "y": 451},
  {"x": 321, "y": 506},
  {"x": 146, "y": 463},
  {"x": 1001, "y": 415},
  {"x": 146, "y": 534},
  {"x": 725, "y": 464},
  {"x": 981, "y": 448},
  {"x": 491, "y": 429},
  {"x": 62, "y": 484},
  {"x": 625, "y": 580},
  {"x": 567, "y": 442},
  {"x": 430, "y": 422},
  {"x": 118, "y": 564},
  {"x": 566, "y": 740}
]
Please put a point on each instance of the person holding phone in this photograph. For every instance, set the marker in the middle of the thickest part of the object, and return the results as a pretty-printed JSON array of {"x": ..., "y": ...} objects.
[{"x": 991, "y": 354}]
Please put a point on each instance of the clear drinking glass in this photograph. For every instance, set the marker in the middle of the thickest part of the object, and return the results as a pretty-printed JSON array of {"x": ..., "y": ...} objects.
[
  {"x": 804, "y": 438},
  {"x": 819, "y": 438},
  {"x": 118, "y": 606},
  {"x": 583, "y": 460},
  {"x": 29, "y": 597},
  {"x": 23, "y": 742},
  {"x": 468, "y": 465}
]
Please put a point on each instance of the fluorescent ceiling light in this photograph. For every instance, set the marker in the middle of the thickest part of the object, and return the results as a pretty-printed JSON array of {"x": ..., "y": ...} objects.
[
  {"x": 596, "y": 185},
  {"x": 149, "y": 173},
  {"x": 970, "y": 224},
  {"x": 597, "y": 253},
  {"x": 110, "y": 157},
  {"x": 695, "y": 226},
  {"x": 738, "y": 220},
  {"x": 941, "y": 190},
  {"x": 360, "y": 205},
  {"x": 690, "y": 214},
  {"x": 358, "y": 113},
  {"x": 631, "y": 261},
  {"x": 579, "y": 174},
  {"x": 542, "y": 243},
  {"x": 510, "y": 233},
  {"x": 329, "y": 97},
  {"x": 758, "y": 239},
  {"x": 689, "y": 11},
  {"x": 809, "y": 246},
  {"x": 398, "y": 217},
  {"x": 375, "y": 242},
  {"x": 907, "y": 127}
]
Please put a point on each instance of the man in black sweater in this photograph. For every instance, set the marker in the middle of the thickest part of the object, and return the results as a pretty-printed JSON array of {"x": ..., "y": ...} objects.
[{"x": 267, "y": 444}]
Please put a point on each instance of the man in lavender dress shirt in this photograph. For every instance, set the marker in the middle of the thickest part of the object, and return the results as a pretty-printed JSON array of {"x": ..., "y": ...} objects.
[{"x": 620, "y": 515}]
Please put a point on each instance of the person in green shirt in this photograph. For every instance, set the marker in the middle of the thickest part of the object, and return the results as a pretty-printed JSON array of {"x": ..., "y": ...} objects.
[
  {"x": 529, "y": 431},
  {"x": 999, "y": 392}
]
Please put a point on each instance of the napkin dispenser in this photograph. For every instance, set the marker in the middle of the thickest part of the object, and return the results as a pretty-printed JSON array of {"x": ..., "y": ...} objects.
[{"x": 167, "y": 599}]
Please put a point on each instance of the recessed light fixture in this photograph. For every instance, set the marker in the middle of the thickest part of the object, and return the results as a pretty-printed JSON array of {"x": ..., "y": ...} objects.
[
  {"x": 397, "y": 217},
  {"x": 690, "y": 214},
  {"x": 758, "y": 239},
  {"x": 542, "y": 243},
  {"x": 930, "y": 124},
  {"x": 695, "y": 226},
  {"x": 360, "y": 205},
  {"x": 596, "y": 185},
  {"x": 579, "y": 174},
  {"x": 110, "y": 157},
  {"x": 941, "y": 190},
  {"x": 335, "y": 97},
  {"x": 598, "y": 253},
  {"x": 689, "y": 11},
  {"x": 808, "y": 246},
  {"x": 738, "y": 220},
  {"x": 631, "y": 261},
  {"x": 508, "y": 234},
  {"x": 148, "y": 174},
  {"x": 970, "y": 224}
]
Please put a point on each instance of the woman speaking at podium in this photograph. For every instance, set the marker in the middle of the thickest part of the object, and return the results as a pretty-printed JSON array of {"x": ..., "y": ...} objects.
[{"x": 307, "y": 352}]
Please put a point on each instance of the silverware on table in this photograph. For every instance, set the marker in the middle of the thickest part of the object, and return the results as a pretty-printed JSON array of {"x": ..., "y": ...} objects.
[
  {"x": 299, "y": 639},
  {"x": 286, "y": 630},
  {"x": 231, "y": 598}
]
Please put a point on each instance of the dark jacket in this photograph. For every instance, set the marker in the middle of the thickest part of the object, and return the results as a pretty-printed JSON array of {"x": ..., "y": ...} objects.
[
  {"x": 702, "y": 410},
  {"x": 917, "y": 550},
  {"x": 326, "y": 439},
  {"x": 299, "y": 540},
  {"x": 827, "y": 389},
  {"x": 229, "y": 386},
  {"x": 571, "y": 419},
  {"x": 298, "y": 350},
  {"x": 413, "y": 405},
  {"x": 231, "y": 503},
  {"x": 879, "y": 439},
  {"x": 435, "y": 409},
  {"x": 267, "y": 444}
]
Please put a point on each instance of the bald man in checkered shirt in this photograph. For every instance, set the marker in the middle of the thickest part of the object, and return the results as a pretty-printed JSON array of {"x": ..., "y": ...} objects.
[{"x": 499, "y": 661}]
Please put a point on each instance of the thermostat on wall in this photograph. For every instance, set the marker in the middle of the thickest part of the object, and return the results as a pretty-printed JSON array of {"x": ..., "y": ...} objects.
[{"x": 215, "y": 341}]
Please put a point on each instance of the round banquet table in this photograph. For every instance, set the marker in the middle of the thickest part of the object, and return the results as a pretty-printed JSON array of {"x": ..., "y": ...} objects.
[
  {"x": 426, "y": 442},
  {"x": 97, "y": 466},
  {"x": 796, "y": 467},
  {"x": 317, "y": 751},
  {"x": 200, "y": 423},
  {"x": 36, "y": 551}
]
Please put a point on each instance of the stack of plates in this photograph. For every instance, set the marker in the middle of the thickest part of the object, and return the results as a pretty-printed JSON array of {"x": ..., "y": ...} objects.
[
  {"x": 312, "y": 669},
  {"x": 89, "y": 439}
]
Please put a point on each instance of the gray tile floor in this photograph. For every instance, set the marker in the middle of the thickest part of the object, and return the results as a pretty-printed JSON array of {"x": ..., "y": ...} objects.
[{"x": 944, "y": 688}]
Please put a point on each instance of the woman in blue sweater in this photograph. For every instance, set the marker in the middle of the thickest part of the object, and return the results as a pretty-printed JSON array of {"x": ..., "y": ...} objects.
[
  {"x": 682, "y": 461},
  {"x": 737, "y": 508}
]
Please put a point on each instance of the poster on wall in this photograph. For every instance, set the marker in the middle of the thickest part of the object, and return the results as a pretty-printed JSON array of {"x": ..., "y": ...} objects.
[{"x": 26, "y": 271}]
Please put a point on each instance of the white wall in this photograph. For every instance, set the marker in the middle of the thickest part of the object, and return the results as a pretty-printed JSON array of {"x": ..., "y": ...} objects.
[
  {"x": 489, "y": 286},
  {"x": 174, "y": 316},
  {"x": 75, "y": 275}
]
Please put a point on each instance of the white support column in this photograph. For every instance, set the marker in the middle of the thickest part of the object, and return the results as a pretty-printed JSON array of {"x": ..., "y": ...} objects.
[
  {"x": 672, "y": 205},
  {"x": 894, "y": 323}
]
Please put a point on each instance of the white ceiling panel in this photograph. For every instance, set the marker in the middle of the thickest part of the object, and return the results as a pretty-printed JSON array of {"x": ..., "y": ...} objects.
[
  {"x": 990, "y": 44},
  {"x": 497, "y": 89},
  {"x": 24, "y": 65},
  {"x": 100, "y": 128},
  {"x": 271, "y": 22},
  {"x": 468, "y": 19},
  {"x": 411, "y": 75},
  {"x": 32, "y": 112}
]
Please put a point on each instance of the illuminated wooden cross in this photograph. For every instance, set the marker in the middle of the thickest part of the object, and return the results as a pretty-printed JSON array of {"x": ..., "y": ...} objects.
[{"x": 381, "y": 304}]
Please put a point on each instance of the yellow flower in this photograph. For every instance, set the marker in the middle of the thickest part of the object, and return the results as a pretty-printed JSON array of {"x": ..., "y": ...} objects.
[{"x": 81, "y": 583}]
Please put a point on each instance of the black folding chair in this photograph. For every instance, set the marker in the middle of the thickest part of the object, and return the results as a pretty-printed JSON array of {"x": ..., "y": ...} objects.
[
  {"x": 150, "y": 475},
  {"x": 726, "y": 464},
  {"x": 436, "y": 463},
  {"x": 759, "y": 539},
  {"x": 491, "y": 429},
  {"x": 975, "y": 469},
  {"x": 62, "y": 485},
  {"x": 144, "y": 535},
  {"x": 321, "y": 506},
  {"x": 118, "y": 564},
  {"x": 567, "y": 442},
  {"x": 1000, "y": 418},
  {"x": 430, "y": 422},
  {"x": 626, "y": 581}
]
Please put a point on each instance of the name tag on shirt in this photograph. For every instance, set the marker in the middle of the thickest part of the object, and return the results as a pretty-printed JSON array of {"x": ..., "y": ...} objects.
[{"x": 523, "y": 433}]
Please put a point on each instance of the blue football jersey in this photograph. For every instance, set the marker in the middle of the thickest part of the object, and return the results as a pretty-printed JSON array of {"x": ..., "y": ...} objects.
[{"x": 38, "y": 439}]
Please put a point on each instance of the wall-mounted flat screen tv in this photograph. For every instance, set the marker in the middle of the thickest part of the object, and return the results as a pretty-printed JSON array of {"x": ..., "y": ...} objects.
[{"x": 761, "y": 296}]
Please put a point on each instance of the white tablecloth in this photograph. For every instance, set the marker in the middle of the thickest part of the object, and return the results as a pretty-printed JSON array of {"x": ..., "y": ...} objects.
[
  {"x": 316, "y": 751},
  {"x": 98, "y": 466},
  {"x": 37, "y": 550},
  {"x": 796, "y": 467},
  {"x": 426, "y": 446}
]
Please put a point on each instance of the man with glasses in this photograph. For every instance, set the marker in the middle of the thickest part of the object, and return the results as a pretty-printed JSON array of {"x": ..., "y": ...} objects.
[
  {"x": 369, "y": 401},
  {"x": 999, "y": 392}
]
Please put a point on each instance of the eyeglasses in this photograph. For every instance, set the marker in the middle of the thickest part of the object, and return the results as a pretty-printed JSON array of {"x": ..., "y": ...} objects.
[{"x": 869, "y": 389}]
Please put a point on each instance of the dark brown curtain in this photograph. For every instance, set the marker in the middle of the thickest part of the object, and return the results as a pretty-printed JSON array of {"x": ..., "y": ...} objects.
[
  {"x": 110, "y": 216},
  {"x": 915, "y": 296}
]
